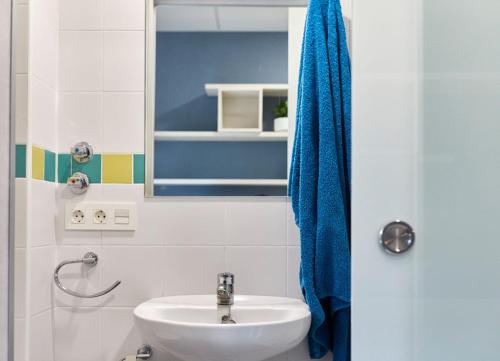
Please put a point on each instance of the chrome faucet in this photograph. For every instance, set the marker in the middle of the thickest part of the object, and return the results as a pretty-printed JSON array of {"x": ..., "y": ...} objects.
[
  {"x": 225, "y": 297},
  {"x": 225, "y": 288}
]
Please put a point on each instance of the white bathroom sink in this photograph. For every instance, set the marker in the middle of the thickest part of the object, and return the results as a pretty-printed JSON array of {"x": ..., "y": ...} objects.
[{"x": 189, "y": 328}]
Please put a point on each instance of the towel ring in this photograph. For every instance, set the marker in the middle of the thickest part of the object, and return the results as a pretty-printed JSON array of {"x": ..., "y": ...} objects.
[{"x": 90, "y": 259}]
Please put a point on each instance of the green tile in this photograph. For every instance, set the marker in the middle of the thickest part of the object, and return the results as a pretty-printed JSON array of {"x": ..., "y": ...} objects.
[
  {"x": 139, "y": 168},
  {"x": 49, "y": 173},
  {"x": 20, "y": 160},
  {"x": 92, "y": 169},
  {"x": 63, "y": 167}
]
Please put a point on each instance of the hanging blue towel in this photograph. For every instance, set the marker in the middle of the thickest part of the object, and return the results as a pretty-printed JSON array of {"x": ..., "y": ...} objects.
[{"x": 320, "y": 178}]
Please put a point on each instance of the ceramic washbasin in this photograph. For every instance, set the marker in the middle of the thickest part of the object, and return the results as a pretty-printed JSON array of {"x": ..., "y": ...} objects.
[{"x": 188, "y": 327}]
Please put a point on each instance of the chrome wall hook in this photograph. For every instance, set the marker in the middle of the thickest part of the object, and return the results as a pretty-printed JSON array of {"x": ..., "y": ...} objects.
[{"x": 89, "y": 259}]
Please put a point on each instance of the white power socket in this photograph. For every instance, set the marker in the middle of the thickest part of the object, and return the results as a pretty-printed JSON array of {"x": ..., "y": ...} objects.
[{"x": 110, "y": 216}]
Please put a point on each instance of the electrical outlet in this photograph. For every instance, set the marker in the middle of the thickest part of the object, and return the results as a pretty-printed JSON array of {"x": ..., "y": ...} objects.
[
  {"x": 100, "y": 216},
  {"x": 78, "y": 217}
]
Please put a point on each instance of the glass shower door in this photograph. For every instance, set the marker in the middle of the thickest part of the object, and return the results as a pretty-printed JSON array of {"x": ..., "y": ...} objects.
[{"x": 426, "y": 149}]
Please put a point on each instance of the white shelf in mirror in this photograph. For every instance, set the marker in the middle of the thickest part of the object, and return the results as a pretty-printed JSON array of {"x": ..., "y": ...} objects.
[
  {"x": 271, "y": 90},
  {"x": 197, "y": 136},
  {"x": 222, "y": 182}
]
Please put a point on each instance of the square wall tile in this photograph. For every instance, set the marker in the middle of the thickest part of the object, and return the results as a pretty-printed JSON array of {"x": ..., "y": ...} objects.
[
  {"x": 141, "y": 270},
  {"x": 37, "y": 162},
  {"x": 80, "y": 15},
  {"x": 20, "y": 160},
  {"x": 43, "y": 124},
  {"x": 253, "y": 267},
  {"x": 292, "y": 272},
  {"x": 139, "y": 168},
  {"x": 119, "y": 333},
  {"x": 192, "y": 270},
  {"x": 21, "y": 31},
  {"x": 92, "y": 168},
  {"x": 124, "y": 14},
  {"x": 42, "y": 213},
  {"x": 63, "y": 167},
  {"x": 124, "y": 53},
  {"x": 21, "y": 108},
  {"x": 123, "y": 113},
  {"x": 20, "y": 339},
  {"x": 193, "y": 222},
  {"x": 41, "y": 337},
  {"x": 256, "y": 222},
  {"x": 43, "y": 40},
  {"x": 117, "y": 168},
  {"x": 20, "y": 211},
  {"x": 79, "y": 118},
  {"x": 20, "y": 283},
  {"x": 41, "y": 267},
  {"x": 49, "y": 173},
  {"x": 77, "y": 334},
  {"x": 80, "y": 61}
]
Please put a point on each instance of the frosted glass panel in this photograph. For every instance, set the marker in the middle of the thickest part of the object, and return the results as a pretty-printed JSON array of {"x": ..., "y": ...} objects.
[{"x": 458, "y": 267}]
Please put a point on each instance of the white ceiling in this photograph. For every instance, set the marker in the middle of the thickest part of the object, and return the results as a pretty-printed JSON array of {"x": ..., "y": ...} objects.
[{"x": 221, "y": 18}]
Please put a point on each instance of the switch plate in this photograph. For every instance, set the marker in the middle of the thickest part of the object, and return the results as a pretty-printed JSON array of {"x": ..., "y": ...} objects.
[{"x": 120, "y": 216}]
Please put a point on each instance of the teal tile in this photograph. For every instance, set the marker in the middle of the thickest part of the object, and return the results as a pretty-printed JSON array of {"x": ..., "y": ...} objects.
[
  {"x": 139, "y": 168},
  {"x": 49, "y": 173},
  {"x": 92, "y": 169},
  {"x": 20, "y": 160},
  {"x": 63, "y": 167}
]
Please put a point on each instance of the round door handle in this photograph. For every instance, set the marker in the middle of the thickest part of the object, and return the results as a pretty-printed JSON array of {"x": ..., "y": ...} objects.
[{"x": 397, "y": 237}]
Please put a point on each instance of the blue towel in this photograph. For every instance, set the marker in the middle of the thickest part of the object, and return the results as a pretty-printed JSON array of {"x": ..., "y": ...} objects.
[{"x": 320, "y": 178}]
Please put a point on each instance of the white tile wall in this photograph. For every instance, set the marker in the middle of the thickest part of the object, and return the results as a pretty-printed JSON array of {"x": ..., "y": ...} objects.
[
  {"x": 41, "y": 268},
  {"x": 41, "y": 346},
  {"x": 20, "y": 211},
  {"x": 141, "y": 270},
  {"x": 42, "y": 113},
  {"x": 80, "y": 15},
  {"x": 119, "y": 335},
  {"x": 78, "y": 334},
  {"x": 80, "y": 61},
  {"x": 123, "y": 113},
  {"x": 22, "y": 21},
  {"x": 124, "y": 14},
  {"x": 259, "y": 270},
  {"x": 256, "y": 222},
  {"x": 42, "y": 214},
  {"x": 123, "y": 63},
  {"x": 79, "y": 116},
  {"x": 192, "y": 270},
  {"x": 21, "y": 108},
  {"x": 20, "y": 283}
]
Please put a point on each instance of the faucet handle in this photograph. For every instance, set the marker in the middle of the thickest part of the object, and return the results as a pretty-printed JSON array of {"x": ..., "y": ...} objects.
[{"x": 225, "y": 278}]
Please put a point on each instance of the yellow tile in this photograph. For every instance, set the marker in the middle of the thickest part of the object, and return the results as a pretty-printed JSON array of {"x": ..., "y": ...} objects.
[
  {"x": 117, "y": 168},
  {"x": 37, "y": 162}
]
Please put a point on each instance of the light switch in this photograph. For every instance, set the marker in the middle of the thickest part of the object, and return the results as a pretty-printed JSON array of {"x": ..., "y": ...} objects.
[{"x": 122, "y": 216}]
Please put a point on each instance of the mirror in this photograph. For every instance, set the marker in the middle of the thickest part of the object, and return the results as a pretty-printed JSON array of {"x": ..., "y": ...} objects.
[{"x": 217, "y": 99}]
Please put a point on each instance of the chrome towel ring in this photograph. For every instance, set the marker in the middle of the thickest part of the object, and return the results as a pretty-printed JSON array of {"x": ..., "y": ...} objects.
[{"x": 90, "y": 259}]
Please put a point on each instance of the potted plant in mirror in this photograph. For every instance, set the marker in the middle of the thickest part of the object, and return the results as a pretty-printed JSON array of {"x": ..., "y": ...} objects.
[{"x": 281, "y": 120}]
